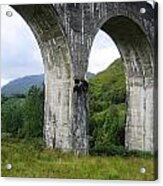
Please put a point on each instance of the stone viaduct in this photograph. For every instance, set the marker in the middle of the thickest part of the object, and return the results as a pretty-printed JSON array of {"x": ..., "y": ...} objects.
[{"x": 65, "y": 33}]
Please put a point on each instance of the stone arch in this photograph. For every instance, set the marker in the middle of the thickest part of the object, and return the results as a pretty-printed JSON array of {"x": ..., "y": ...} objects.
[
  {"x": 81, "y": 22},
  {"x": 65, "y": 34},
  {"x": 137, "y": 54},
  {"x": 43, "y": 21}
]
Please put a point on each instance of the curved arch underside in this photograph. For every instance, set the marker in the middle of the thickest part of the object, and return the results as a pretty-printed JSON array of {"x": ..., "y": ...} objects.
[
  {"x": 65, "y": 33},
  {"x": 137, "y": 55}
]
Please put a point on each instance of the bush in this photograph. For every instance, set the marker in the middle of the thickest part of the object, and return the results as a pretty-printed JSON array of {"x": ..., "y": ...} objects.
[
  {"x": 36, "y": 143},
  {"x": 107, "y": 108},
  {"x": 118, "y": 150},
  {"x": 23, "y": 117},
  {"x": 34, "y": 114},
  {"x": 108, "y": 150},
  {"x": 12, "y": 116},
  {"x": 107, "y": 127}
]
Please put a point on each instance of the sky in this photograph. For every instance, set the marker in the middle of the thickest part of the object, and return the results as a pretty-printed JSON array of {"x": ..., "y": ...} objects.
[{"x": 20, "y": 54}]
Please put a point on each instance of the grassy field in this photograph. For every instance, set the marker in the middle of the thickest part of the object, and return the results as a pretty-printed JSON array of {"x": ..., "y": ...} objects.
[{"x": 29, "y": 160}]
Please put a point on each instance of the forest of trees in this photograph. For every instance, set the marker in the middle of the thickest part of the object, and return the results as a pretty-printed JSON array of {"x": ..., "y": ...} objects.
[{"x": 22, "y": 115}]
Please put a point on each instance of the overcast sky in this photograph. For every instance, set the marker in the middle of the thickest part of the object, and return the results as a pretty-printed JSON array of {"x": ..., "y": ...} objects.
[{"x": 20, "y": 54}]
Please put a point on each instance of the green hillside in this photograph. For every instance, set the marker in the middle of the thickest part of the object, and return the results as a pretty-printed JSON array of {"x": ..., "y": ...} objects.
[{"x": 107, "y": 107}]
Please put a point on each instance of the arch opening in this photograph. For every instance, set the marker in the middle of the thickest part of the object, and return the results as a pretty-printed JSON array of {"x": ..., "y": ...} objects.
[
  {"x": 106, "y": 96},
  {"x": 136, "y": 54},
  {"x": 57, "y": 72},
  {"x": 22, "y": 78}
]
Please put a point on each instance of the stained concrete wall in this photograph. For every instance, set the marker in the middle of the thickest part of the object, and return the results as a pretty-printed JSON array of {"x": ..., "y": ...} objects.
[{"x": 65, "y": 33}]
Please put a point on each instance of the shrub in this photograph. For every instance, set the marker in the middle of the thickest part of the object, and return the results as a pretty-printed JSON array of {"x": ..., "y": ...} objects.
[{"x": 108, "y": 150}]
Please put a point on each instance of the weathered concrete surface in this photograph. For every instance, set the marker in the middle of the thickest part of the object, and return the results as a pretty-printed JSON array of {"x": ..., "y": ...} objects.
[{"x": 65, "y": 33}]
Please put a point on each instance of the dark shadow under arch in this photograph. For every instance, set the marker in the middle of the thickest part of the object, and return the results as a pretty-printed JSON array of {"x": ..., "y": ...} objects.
[{"x": 129, "y": 38}]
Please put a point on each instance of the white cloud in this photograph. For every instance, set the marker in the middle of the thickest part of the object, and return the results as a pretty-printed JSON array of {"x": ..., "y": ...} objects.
[
  {"x": 20, "y": 52},
  {"x": 4, "y": 81},
  {"x": 103, "y": 53}
]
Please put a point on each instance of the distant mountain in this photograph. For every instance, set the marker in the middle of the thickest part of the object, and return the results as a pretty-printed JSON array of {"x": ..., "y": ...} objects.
[
  {"x": 22, "y": 85},
  {"x": 89, "y": 75}
]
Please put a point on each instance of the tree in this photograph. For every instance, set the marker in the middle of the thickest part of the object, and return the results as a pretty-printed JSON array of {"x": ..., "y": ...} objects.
[
  {"x": 12, "y": 116},
  {"x": 34, "y": 113}
]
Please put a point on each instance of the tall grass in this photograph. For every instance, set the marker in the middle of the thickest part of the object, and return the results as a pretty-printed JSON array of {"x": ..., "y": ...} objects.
[{"x": 31, "y": 160}]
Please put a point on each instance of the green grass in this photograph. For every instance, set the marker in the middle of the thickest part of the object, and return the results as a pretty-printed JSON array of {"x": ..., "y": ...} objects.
[{"x": 29, "y": 160}]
